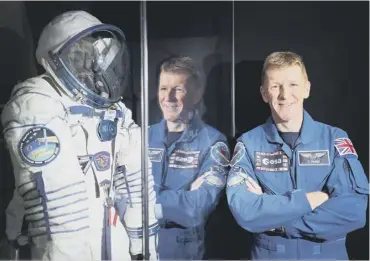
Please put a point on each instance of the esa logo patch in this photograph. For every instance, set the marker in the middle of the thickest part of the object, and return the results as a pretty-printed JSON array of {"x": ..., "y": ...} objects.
[
  {"x": 39, "y": 146},
  {"x": 271, "y": 161},
  {"x": 184, "y": 159}
]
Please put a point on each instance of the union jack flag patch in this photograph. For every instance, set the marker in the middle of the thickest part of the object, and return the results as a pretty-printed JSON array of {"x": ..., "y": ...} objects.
[{"x": 344, "y": 146}]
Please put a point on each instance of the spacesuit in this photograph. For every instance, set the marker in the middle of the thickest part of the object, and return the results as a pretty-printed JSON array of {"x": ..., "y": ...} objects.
[
  {"x": 283, "y": 223},
  {"x": 75, "y": 149}
]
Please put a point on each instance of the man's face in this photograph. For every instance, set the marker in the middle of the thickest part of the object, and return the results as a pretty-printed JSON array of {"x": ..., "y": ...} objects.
[
  {"x": 175, "y": 95},
  {"x": 285, "y": 89}
]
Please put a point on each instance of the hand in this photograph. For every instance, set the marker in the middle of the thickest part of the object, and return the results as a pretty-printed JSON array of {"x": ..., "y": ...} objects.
[
  {"x": 253, "y": 186},
  {"x": 316, "y": 198}
]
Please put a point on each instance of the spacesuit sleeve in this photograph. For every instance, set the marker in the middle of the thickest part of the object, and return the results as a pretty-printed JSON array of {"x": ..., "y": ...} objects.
[
  {"x": 14, "y": 214},
  {"x": 345, "y": 211},
  {"x": 191, "y": 207},
  {"x": 128, "y": 182},
  {"x": 259, "y": 213},
  {"x": 48, "y": 178}
]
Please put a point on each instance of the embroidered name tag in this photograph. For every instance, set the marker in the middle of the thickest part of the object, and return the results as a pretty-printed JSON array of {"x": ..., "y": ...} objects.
[
  {"x": 156, "y": 155},
  {"x": 183, "y": 159},
  {"x": 271, "y": 161},
  {"x": 313, "y": 158}
]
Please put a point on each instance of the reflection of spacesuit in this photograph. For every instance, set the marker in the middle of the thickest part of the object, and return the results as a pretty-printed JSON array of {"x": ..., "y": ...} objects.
[{"x": 75, "y": 149}]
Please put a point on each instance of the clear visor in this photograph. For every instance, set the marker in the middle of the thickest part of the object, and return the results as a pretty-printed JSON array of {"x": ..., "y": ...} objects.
[{"x": 100, "y": 62}]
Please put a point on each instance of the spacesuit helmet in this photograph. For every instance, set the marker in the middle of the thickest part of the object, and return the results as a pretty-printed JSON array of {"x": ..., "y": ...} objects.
[{"x": 89, "y": 58}]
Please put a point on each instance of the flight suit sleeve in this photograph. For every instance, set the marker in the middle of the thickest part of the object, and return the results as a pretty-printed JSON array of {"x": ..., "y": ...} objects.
[
  {"x": 191, "y": 207},
  {"x": 50, "y": 187},
  {"x": 128, "y": 185},
  {"x": 345, "y": 211},
  {"x": 259, "y": 213}
]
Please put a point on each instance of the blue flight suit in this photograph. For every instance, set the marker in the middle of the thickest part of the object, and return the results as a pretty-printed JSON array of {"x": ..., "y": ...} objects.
[
  {"x": 281, "y": 219},
  {"x": 201, "y": 151}
]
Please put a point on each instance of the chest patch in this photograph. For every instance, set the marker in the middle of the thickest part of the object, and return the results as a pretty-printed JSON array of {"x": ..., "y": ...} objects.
[
  {"x": 156, "y": 155},
  {"x": 107, "y": 130},
  {"x": 271, "y": 161},
  {"x": 313, "y": 158},
  {"x": 182, "y": 159},
  {"x": 102, "y": 160}
]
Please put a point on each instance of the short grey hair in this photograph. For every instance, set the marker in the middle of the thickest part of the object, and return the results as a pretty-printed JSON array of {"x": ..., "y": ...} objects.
[{"x": 183, "y": 65}]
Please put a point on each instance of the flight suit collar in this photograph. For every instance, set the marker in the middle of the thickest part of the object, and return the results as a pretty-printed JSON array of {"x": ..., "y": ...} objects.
[
  {"x": 307, "y": 135},
  {"x": 190, "y": 132}
]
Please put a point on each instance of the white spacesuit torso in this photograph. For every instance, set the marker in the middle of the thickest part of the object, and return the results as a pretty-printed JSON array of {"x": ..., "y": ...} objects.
[{"x": 63, "y": 182}]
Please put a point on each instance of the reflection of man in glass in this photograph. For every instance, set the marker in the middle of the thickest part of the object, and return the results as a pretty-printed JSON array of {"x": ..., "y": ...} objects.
[
  {"x": 189, "y": 160},
  {"x": 280, "y": 169}
]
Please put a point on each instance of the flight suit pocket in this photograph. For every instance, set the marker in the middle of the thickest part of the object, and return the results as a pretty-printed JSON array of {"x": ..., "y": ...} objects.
[
  {"x": 180, "y": 180},
  {"x": 314, "y": 177},
  {"x": 357, "y": 176}
]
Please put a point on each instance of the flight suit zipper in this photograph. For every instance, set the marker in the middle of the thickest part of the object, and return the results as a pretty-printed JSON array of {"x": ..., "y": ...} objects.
[
  {"x": 164, "y": 168},
  {"x": 292, "y": 170}
]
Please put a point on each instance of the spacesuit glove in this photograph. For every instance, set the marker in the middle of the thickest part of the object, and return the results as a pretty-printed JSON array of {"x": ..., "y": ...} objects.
[
  {"x": 20, "y": 241},
  {"x": 120, "y": 205}
]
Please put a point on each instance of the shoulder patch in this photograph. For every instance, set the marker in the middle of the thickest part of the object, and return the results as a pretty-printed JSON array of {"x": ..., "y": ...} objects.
[
  {"x": 239, "y": 153},
  {"x": 216, "y": 180},
  {"x": 235, "y": 181},
  {"x": 39, "y": 146},
  {"x": 237, "y": 177},
  {"x": 344, "y": 146},
  {"x": 220, "y": 153}
]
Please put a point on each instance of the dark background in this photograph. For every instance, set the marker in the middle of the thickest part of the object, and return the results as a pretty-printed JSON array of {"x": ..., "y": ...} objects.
[{"x": 332, "y": 37}]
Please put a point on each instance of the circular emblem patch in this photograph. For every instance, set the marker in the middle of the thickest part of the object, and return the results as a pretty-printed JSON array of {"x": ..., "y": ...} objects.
[
  {"x": 39, "y": 146},
  {"x": 220, "y": 153},
  {"x": 239, "y": 153},
  {"x": 107, "y": 130}
]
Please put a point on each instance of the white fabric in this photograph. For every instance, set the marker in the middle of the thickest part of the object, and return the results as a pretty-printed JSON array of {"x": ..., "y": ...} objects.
[
  {"x": 61, "y": 29},
  {"x": 36, "y": 102}
]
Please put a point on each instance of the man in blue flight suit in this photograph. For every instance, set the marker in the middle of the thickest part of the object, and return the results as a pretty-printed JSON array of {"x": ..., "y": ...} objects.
[
  {"x": 190, "y": 162},
  {"x": 295, "y": 183}
]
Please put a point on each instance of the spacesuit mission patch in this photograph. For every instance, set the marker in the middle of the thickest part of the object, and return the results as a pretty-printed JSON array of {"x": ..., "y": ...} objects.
[
  {"x": 39, "y": 146},
  {"x": 102, "y": 160}
]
